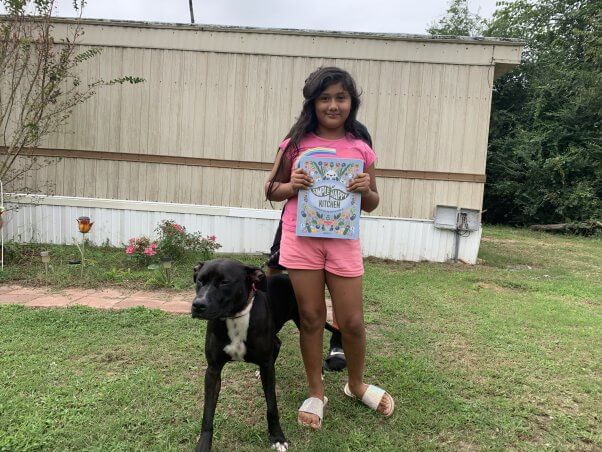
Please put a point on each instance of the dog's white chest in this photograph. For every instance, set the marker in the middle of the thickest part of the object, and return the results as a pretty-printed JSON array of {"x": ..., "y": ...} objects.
[{"x": 237, "y": 332}]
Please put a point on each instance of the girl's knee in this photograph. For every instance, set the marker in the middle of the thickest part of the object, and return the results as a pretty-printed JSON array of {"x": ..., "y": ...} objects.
[
  {"x": 312, "y": 320},
  {"x": 352, "y": 325}
]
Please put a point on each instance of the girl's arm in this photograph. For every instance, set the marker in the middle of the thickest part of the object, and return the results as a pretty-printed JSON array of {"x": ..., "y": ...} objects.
[
  {"x": 285, "y": 186},
  {"x": 365, "y": 183}
]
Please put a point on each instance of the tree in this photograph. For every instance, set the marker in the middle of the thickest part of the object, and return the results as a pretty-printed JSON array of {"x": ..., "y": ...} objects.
[
  {"x": 39, "y": 82},
  {"x": 545, "y": 148},
  {"x": 458, "y": 21}
]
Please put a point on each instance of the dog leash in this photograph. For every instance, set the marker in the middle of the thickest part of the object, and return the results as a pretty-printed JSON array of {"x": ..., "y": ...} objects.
[{"x": 249, "y": 305}]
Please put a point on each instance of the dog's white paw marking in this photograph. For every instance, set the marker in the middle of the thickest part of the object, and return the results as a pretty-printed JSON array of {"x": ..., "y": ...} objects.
[{"x": 280, "y": 447}]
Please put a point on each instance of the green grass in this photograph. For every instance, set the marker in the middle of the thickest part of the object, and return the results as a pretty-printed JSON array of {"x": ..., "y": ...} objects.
[{"x": 502, "y": 355}]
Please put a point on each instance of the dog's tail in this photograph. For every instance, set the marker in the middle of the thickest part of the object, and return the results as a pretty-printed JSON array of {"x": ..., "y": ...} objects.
[{"x": 331, "y": 328}]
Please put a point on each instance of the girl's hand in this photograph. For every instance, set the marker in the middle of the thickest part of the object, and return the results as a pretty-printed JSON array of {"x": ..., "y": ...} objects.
[
  {"x": 300, "y": 180},
  {"x": 360, "y": 183}
]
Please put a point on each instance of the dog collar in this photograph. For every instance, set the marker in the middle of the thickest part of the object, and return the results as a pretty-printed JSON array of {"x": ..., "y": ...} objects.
[{"x": 247, "y": 308}]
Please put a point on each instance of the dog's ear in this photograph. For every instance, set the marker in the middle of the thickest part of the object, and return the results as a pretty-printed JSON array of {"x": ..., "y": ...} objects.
[
  {"x": 197, "y": 269},
  {"x": 257, "y": 277}
]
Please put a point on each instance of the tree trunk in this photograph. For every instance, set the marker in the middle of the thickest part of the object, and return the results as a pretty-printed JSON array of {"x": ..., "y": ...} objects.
[{"x": 586, "y": 227}]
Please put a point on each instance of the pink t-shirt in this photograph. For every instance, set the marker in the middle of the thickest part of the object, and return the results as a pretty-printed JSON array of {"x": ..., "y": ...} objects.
[{"x": 347, "y": 147}]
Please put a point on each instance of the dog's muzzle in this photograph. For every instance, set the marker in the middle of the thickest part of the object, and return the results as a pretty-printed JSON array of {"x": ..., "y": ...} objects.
[{"x": 199, "y": 308}]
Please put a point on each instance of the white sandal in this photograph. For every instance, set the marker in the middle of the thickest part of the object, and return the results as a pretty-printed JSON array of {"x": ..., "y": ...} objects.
[
  {"x": 315, "y": 406},
  {"x": 372, "y": 398}
]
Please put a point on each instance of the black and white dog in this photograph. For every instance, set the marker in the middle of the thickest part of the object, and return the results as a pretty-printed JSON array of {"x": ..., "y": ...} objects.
[{"x": 245, "y": 311}]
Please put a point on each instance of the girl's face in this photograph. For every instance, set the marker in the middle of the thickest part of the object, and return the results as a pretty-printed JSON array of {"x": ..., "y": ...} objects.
[{"x": 332, "y": 110}]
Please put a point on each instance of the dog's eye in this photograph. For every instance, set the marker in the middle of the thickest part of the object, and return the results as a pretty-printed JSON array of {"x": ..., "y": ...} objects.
[{"x": 224, "y": 282}]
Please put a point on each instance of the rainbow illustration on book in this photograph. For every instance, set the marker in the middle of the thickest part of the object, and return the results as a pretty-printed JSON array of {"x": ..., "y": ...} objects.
[
  {"x": 327, "y": 209},
  {"x": 315, "y": 151}
]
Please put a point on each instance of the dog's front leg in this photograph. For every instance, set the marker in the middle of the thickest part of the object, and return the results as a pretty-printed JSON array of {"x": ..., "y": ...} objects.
[
  {"x": 268, "y": 381},
  {"x": 213, "y": 384}
]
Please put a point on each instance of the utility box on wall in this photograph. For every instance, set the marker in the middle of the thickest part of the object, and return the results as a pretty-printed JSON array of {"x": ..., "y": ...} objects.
[
  {"x": 446, "y": 217},
  {"x": 460, "y": 221},
  {"x": 469, "y": 219},
  {"x": 457, "y": 218}
]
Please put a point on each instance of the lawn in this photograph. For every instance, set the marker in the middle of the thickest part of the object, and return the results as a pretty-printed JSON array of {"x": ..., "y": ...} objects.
[{"x": 505, "y": 354}]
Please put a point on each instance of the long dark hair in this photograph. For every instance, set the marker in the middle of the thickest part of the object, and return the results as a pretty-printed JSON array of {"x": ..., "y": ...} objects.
[{"x": 315, "y": 84}]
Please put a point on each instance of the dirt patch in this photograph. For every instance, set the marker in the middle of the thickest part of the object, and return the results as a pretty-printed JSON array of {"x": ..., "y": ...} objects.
[
  {"x": 497, "y": 240},
  {"x": 590, "y": 302},
  {"x": 450, "y": 441},
  {"x": 502, "y": 286},
  {"x": 491, "y": 286},
  {"x": 457, "y": 352},
  {"x": 113, "y": 356}
]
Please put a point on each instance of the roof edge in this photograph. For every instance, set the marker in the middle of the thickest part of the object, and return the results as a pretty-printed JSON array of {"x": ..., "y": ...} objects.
[{"x": 300, "y": 32}]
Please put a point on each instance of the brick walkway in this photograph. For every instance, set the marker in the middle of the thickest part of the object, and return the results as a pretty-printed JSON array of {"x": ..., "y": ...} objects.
[{"x": 175, "y": 303}]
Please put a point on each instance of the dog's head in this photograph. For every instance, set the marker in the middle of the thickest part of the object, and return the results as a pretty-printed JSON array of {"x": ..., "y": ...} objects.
[{"x": 223, "y": 287}]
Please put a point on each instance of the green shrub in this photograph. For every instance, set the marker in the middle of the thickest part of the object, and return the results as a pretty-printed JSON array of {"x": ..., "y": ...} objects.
[
  {"x": 15, "y": 252},
  {"x": 175, "y": 242}
]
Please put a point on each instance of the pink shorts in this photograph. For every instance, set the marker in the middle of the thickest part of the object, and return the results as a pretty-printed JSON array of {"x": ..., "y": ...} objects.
[{"x": 338, "y": 256}]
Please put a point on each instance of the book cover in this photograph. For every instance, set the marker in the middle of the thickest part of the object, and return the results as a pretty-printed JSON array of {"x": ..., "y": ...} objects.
[{"x": 327, "y": 209}]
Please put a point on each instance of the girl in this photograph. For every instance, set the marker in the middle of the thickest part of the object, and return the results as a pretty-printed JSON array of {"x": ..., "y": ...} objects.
[
  {"x": 327, "y": 120},
  {"x": 335, "y": 360}
]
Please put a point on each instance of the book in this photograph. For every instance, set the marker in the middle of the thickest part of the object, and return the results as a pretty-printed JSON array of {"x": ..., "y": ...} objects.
[{"x": 327, "y": 209}]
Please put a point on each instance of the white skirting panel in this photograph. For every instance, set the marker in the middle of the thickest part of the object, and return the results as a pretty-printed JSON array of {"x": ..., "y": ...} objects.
[{"x": 52, "y": 219}]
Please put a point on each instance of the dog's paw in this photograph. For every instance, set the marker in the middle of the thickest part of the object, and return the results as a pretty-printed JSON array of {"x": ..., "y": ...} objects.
[
  {"x": 258, "y": 374},
  {"x": 280, "y": 447}
]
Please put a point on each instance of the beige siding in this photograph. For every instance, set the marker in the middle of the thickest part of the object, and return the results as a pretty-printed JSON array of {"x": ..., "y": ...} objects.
[
  {"x": 427, "y": 117},
  {"x": 426, "y": 104},
  {"x": 404, "y": 198}
]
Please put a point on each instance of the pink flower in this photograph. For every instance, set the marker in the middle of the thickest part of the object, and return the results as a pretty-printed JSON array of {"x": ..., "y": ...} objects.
[
  {"x": 149, "y": 251},
  {"x": 153, "y": 245},
  {"x": 129, "y": 250},
  {"x": 212, "y": 238},
  {"x": 178, "y": 228}
]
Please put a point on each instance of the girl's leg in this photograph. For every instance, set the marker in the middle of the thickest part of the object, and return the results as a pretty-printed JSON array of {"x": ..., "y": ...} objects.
[
  {"x": 309, "y": 290},
  {"x": 346, "y": 296},
  {"x": 347, "y": 303}
]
